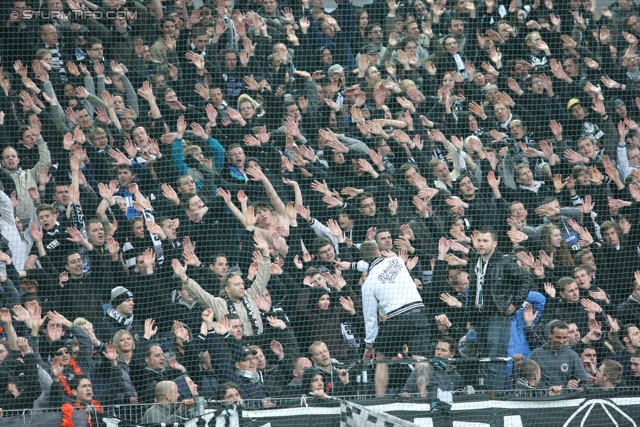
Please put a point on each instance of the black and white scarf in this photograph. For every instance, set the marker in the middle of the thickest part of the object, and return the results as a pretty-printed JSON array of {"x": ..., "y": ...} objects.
[
  {"x": 124, "y": 322},
  {"x": 16, "y": 172},
  {"x": 481, "y": 271},
  {"x": 202, "y": 54},
  {"x": 250, "y": 312},
  {"x": 252, "y": 377}
]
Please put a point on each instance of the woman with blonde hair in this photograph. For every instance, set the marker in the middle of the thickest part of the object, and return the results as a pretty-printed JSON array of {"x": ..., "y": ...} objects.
[{"x": 125, "y": 344}]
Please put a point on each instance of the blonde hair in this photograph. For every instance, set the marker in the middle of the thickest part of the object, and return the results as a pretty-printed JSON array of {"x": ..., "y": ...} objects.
[
  {"x": 469, "y": 138},
  {"x": 531, "y": 35},
  {"x": 41, "y": 53},
  {"x": 246, "y": 98},
  {"x": 118, "y": 336},
  {"x": 314, "y": 346},
  {"x": 81, "y": 321},
  {"x": 406, "y": 83},
  {"x": 192, "y": 149}
]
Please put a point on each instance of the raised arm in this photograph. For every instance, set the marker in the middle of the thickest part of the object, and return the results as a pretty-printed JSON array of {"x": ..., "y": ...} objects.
[
  {"x": 147, "y": 93},
  {"x": 44, "y": 160},
  {"x": 132, "y": 97},
  {"x": 233, "y": 208},
  {"x": 296, "y": 190},
  {"x": 7, "y": 219},
  {"x": 5, "y": 318},
  {"x": 203, "y": 297},
  {"x": 264, "y": 267},
  {"x": 257, "y": 175}
]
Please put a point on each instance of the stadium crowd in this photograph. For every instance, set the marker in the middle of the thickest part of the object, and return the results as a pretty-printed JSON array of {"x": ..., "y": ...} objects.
[{"x": 241, "y": 201}]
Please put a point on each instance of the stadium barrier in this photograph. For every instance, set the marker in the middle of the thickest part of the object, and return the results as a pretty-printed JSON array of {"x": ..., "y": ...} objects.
[{"x": 592, "y": 409}]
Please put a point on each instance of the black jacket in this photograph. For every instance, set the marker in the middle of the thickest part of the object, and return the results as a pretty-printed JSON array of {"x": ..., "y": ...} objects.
[
  {"x": 113, "y": 322},
  {"x": 31, "y": 391},
  {"x": 629, "y": 311},
  {"x": 505, "y": 283}
]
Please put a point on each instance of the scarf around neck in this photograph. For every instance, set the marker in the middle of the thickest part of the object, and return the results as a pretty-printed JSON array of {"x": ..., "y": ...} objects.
[
  {"x": 113, "y": 313},
  {"x": 247, "y": 306}
]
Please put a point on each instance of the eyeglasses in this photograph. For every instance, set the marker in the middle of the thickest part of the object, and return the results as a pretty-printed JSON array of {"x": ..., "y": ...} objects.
[{"x": 62, "y": 352}]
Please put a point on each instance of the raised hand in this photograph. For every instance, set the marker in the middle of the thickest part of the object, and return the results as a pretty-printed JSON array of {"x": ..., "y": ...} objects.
[
  {"x": 21, "y": 315},
  {"x": 550, "y": 290},
  {"x": 529, "y": 315},
  {"x": 180, "y": 332},
  {"x": 59, "y": 319},
  {"x": 75, "y": 235},
  {"x": 274, "y": 322},
  {"x": 450, "y": 300},
  {"x": 150, "y": 329},
  {"x": 221, "y": 327},
  {"x": 261, "y": 244},
  {"x": 590, "y": 306},
  {"x": 304, "y": 212},
  {"x": 36, "y": 232},
  {"x": 347, "y": 305}
]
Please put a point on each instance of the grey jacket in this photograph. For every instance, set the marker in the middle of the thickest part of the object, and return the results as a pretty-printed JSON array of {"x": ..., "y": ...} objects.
[
  {"x": 559, "y": 366},
  {"x": 563, "y": 224},
  {"x": 447, "y": 381},
  {"x": 168, "y": 414}
]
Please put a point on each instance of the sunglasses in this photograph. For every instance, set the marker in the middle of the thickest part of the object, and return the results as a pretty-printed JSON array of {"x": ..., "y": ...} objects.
[{"x": 62, "y": 352}]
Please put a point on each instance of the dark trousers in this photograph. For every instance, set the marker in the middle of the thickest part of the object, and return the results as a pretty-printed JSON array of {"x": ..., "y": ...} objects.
[{"x": 493, "y": 339}]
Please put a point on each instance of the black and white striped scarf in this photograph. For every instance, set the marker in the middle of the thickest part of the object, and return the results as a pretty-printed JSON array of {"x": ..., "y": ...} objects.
[
  {"x": 57, "y": 63},
  {"x": 250, "y": 312}
]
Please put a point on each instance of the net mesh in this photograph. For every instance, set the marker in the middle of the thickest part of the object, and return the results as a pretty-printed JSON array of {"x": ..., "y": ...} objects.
[{"x": 261, "y": 212}]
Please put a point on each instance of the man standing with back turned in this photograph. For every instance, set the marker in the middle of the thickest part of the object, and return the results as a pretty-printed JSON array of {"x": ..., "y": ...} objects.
[{"x": 390, "y": 288}]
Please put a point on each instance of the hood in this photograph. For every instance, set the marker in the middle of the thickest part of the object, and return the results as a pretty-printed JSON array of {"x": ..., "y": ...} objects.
[
  {"x": 564, "y": 349},
  {"x": 314, "y": 296},
  {"x": 307, "y": 378},
  {"x": 177, "y": 299},
  {"x": 184, "y": 391}
]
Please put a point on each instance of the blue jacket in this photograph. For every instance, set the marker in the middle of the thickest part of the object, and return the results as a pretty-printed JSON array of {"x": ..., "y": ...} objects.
[
  {"x": 518, "y": 343},
  {"x": 177, "y": 155}
]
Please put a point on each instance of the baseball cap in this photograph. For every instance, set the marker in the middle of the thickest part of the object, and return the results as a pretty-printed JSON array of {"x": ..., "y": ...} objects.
[
  {"x": 572, "y": 102},
  {"x": 335, "y": 68},
  {"x": 370, "y": 48},
  {"x": 242, "y": 353}
]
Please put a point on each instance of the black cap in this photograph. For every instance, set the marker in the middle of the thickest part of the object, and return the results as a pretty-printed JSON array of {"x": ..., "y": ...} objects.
[{"x": 242, "y": 353}]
